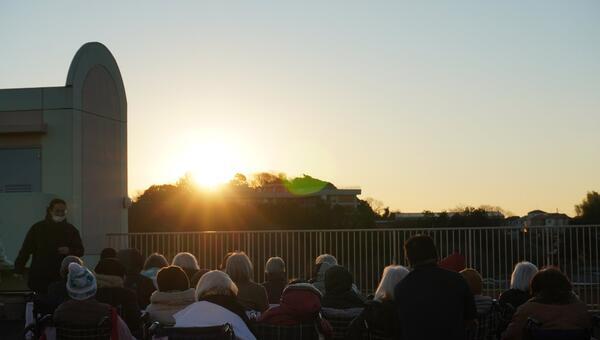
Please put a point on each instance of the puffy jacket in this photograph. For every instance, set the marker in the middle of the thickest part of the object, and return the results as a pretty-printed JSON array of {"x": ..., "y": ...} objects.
[{"x": 164, "y": 304}]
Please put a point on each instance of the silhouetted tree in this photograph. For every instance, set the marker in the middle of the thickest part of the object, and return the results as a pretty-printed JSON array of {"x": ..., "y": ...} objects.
[{"x": 588, "y": 211}]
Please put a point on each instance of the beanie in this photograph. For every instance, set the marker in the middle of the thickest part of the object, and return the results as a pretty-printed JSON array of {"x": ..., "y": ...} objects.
[
  {"x": 81, "y": 283},
  {"x": 172, "y": 278}
]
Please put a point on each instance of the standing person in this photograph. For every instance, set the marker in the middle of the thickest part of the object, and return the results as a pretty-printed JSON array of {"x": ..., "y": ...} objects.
[
  {"x": 48, "y": 241},
  {"x": 432, "y": 303}
]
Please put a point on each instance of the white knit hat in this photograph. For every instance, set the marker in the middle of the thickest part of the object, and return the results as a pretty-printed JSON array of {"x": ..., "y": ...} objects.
[{"x": 81, "y": 283}]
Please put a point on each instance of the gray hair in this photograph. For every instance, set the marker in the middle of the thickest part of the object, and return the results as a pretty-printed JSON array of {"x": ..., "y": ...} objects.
[
  {"x": 390, "y": 278},
  {"x": 64, "y": 265},
  {"x": 239, "y": 267},
  {"x": 326, "y": 258},
  {"x": 275, "y": 265},
  {"x": 522, "y": 275},
  {"x": 185, "y": 260},
  {"x": 215, "y": 282}
]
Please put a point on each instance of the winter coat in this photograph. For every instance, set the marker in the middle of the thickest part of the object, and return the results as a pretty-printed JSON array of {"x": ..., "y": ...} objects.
[
  {"x": 207, "y": 314},
  {"x": 42, "y": 242},
  {"x": 86, "y": 313},
  {"x": 112, "y": 292},
  {"x": 252, "y": 296},
  {"x": 164, "y": 304},
  {"x": 572, "y": 315},
  {"x": 274, "y": 285},
  {"x": 377, "y": 317},
  {"x": 300, "y": 303},
  {"x": 339, "y": 293}
]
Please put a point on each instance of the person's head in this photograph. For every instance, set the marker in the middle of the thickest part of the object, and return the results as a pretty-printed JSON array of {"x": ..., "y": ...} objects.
[
  {"x": 132, "y": 259},
  {"x": 107, "y": 253},
  {"x": 185, "y": 260},
  {"x": 64, "y": 265},
  {"x": 81, "y": 283},
  {"x": 420, "y": 249},
  {"x": 522, "y": 275},
  {"x": 56, "y": 210},
  {"x": 274, "y": 266},
  {"x": 110, "y": 266},
  {"x": 172, "y": 278},
  {"x": 326, "y": 258},
  {"x": 155, "y": 260},
  {"x": 551, "y": 285},
  {"x": 473, "y": 279},
  {"x": 239, "y": 267},
  {"x": 338, "y": 280},
  {"x": 215, "y": 282},
  {"x": 392, "y": 275}
]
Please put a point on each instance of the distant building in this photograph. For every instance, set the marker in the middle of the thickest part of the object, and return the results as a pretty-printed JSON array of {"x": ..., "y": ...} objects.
[
  {"x": 542, "y": 218},
  {"x": 70, "y": 142},
  {"x": 278, "y": 192},
  {"x": 412, "y": 216}
]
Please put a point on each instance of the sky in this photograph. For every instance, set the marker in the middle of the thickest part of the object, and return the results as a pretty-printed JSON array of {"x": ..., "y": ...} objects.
[{"x": 421, "y": 105}]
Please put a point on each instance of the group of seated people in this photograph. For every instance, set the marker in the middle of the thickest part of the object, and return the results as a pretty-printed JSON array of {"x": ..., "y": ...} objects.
[{"x": 423, "y": 302}]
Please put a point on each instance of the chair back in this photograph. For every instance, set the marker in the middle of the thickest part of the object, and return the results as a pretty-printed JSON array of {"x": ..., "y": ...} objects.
[
  {"x": 489, "y": 324},
  {"x": 340, "y": 320},
  {"x": 304, "y": 331},
  {"x": 101, "y": 331},
  {"x": 221, "y": 332}
]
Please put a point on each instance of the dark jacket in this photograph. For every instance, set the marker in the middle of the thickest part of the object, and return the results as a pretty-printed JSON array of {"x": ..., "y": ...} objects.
[
  {"x": 252, "y": 296},
  {"x": 338, "y": 290},
  {"x": 87, "y": 312},
  {"x": 377, "y": 318},
  {"x": 42, "y": 241},
  {"x": 57, "y": 294},
  {"x": 513, "y": 298},
  {"x": 112, "y": 292},
  {"x": 274, "y": 285}
]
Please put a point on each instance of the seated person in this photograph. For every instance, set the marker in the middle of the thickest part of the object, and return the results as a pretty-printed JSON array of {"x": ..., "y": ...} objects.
[
  {"x": 322, "y": 263},
  {"x": 518, "y": 293},
  {"x": 217, "y": 304},
  {"x": 553, "y": 304},
  {"x": 275, "y": 279},
  {"x": 153, "y": 264},
  {"x": 108, "y": 253},
  {"x": 187, "y": 262},
  {"x": 483, "y": 303},
  {"x": 173, "y": 294},
  {"x": 488, "y": 315},
  {"x": 110, "y": 275},
  {"x": 379, "y": 315},
  {"x": 338, "y": 290},
  {"x": 133, "y": 261},
  {"x": 251, "y": 294},
  {"x": 57, "y": 291},
  {"x": 83, "y": 309}
]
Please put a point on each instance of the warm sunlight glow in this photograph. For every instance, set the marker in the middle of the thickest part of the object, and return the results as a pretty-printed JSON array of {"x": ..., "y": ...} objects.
[{"x": 211, "y": 161}]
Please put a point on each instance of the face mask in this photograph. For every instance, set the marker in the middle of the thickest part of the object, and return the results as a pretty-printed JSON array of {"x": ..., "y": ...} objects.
[{"x": 58, "y": 218}]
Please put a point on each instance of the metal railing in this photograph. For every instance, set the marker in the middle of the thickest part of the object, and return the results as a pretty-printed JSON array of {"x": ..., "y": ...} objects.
[{"x": 493, "y": 251}]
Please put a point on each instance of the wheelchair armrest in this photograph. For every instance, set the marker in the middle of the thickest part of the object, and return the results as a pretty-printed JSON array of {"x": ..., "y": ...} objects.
[{"x": 153, "y": 327}]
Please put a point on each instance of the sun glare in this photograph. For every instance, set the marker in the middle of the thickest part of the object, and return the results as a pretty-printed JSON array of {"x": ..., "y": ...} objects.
[{"x": 210, "y": 162}]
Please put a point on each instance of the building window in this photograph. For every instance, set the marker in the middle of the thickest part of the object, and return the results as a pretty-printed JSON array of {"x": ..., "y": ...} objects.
[{"x": 20, "y": 170}]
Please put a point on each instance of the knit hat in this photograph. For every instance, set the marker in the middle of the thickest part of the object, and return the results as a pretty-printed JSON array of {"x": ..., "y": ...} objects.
[
  {"x": 172, "y": 278},
  {"x": 81, "y": 283},
  {"x": 110, "y": 266}
]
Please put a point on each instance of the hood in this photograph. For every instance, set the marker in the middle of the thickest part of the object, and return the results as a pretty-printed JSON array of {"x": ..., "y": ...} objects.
[
  {"x": 301, "y": 299},
  {"x": 107, "y": 281},
  {"x": 177, "y": 298}
]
